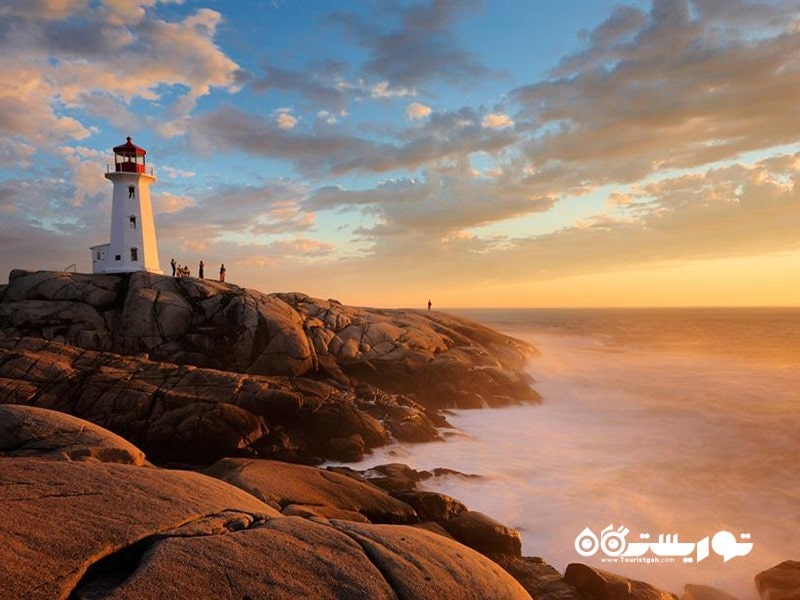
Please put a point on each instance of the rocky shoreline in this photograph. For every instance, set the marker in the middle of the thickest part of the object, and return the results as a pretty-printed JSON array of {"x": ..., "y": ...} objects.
[{"x": 100, "y": 375}]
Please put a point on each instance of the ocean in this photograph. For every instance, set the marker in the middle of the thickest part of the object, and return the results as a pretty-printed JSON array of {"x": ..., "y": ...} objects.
[{"x": 682, "y": 423}]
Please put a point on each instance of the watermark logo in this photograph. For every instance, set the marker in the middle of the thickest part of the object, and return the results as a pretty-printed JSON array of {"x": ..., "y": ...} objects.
[{"x": 613, "y": 544}]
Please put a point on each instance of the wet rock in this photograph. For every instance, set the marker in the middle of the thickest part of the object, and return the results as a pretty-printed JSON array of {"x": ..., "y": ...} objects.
[
  {"x": 394, "y": 477},
  {"x": 601, "y": 585},
  {"x": 781, "y": 582},
  {"x": 30, "y": 431},
  {"x": 484, "y": 534}
]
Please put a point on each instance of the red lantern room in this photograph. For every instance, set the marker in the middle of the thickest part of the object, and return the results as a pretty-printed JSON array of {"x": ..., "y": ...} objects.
[{"x": 129, "y": 157}]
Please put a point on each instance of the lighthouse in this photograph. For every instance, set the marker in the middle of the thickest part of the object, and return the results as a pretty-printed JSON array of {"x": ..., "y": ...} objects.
[{"x": 133, "y": 245}]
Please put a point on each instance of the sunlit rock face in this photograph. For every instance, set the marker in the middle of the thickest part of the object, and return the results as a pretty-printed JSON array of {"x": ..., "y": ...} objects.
[
  {"x": 194, "y": 370},
  {"x": 88, "y": 525},
  {"x": 438, "y": 359}
]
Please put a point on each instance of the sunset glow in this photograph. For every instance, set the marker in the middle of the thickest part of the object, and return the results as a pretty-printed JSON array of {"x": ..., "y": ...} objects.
[{"x": 497, "y": 154}]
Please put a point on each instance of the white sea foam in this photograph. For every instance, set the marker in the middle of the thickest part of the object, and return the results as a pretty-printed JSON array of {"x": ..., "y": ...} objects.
[{"x": 660, "y": 438}]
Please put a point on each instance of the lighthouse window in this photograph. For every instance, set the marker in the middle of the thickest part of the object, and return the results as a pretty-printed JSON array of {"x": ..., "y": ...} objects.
[
  {"x": 134, "y": 254},
  {"x": 117, "y": 257},
  {"x": 131, "y": 191},
  {"x": 133, "y": 221}
]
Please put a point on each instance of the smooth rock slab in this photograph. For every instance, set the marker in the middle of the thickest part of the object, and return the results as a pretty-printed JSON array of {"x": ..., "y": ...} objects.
[
  {"x": 59, "y": 518},
  {"x": 327, "y": 492},
  {"x": 421, "y": 565},
  {"x": 285, "y": 559},
  {"x": 32, "y": 431}
]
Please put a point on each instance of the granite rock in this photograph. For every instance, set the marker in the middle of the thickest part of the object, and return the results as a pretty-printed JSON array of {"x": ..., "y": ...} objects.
[{"x": 436, "y": 359}]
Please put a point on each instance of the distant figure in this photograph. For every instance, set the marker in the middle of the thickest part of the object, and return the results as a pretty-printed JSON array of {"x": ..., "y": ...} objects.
[
  {"x": 429, "y": 304},
  {"x": 173, "y": 264},
  {"x": 200, "y": 270},
  {"x": 222, "y": 272}
]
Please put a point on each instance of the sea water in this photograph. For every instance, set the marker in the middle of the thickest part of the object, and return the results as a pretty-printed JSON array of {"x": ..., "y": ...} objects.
[{"x": 674, "y": 422}]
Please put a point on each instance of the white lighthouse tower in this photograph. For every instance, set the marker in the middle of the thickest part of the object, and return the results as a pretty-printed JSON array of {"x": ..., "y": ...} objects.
[{"x": 133, "y": 244}]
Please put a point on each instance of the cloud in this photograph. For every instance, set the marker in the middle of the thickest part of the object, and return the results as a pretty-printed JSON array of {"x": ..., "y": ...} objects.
[
  {"x": 667, "y": 90},
  {"x": 446, "y": 136},
  {"x": 269, "y": 209},
  {"x": 285, "y": 120},
  {"x": 443, "y": 201},
  {"x": 417, "y": 110},
  {"x": 319, "y": 84},
  {"x": 174, "y": 173},
  {"x": 165, "y": 202},
  {"x": 420, "y": 48},
  {"x": 383, "y": 89},
  {"x": 497, "y": 121},
  {"x": 55, "y": 66}
]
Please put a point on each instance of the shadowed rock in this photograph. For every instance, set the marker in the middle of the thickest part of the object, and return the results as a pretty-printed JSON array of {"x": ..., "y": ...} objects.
[
  {"x": 484, "y": 534},
  {"x": 191, "y": 415},
  {"x": 601, "y": 585},
  {"x": 431, "y": 506},
  {"x": 781, "y": 582},
  {"x": 539, "y": 579},
  {"x": 704, "y": 592}
]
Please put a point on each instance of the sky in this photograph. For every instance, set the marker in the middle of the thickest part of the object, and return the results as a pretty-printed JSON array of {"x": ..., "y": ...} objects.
[{"x": 505, "y": 153}]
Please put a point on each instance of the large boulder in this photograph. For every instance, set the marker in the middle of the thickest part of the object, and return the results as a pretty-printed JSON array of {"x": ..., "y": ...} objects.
[
  {"x": 316, "y": 491},
  {"x": 419, "y": 564},
  {"x": 781, "y": 582},
  {"x": 484, "y": 534},
  {"x": 431, "y": 506},
  {"x": 31, "y": 431},
  {"x": 284, "y": 559},
  {"x": 61, "y": 518}
]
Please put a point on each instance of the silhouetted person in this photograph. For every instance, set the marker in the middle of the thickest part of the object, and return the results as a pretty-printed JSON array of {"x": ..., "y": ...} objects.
[
  {"x": 222, "y": 272},
  {"x": 173, "y": 264},
  {"x": 429, "y": 305},
  {"x": 200, "y": 270}
]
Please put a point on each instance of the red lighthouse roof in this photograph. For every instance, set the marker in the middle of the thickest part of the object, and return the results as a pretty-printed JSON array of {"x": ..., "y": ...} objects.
[
  {"x": 129, "y": 157},
  {"x": 129, "y": 149}
]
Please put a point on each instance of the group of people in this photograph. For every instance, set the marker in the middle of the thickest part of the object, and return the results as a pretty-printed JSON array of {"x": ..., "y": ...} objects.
[{"x": 184, "y": 271}]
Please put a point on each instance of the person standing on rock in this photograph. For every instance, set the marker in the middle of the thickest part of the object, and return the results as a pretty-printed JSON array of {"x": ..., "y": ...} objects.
[
  {"x": 200, "y": 270},
  {"x": 173, "y": 264},
  {"x": 222, "y": 272},
  {"x": 429, "y": 305}
]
